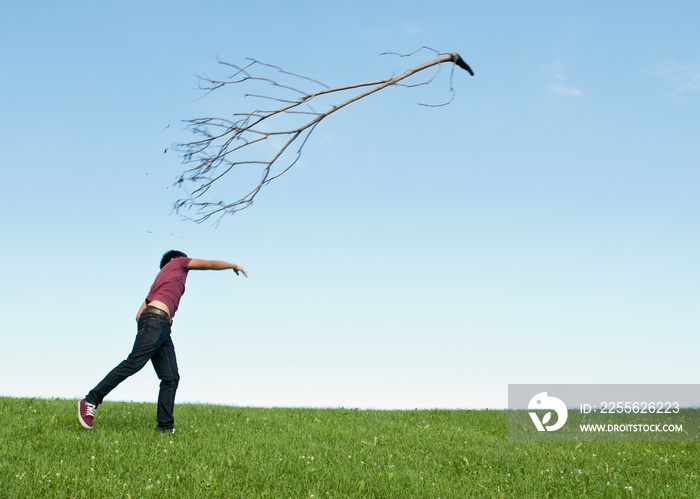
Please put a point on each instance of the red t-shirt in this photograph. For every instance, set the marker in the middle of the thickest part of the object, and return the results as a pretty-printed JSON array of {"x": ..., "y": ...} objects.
[{"x": 170, "y": 284}]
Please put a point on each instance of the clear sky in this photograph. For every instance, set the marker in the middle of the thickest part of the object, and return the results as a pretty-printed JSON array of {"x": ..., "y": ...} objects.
[{"x": 543, "y": 228}]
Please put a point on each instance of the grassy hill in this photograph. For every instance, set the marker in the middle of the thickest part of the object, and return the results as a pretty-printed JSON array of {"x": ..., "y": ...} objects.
[{"x": 221, "y": 451}]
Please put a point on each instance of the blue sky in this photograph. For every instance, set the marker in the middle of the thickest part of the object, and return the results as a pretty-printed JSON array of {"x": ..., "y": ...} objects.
[{"x": 542, "y": 228}]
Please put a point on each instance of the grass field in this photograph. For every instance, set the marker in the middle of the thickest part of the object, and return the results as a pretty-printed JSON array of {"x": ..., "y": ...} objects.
[{"x": 235, "y": 452}]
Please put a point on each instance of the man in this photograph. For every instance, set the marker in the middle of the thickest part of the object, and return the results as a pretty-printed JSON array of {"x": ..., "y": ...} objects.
[{"x": 153, "y": 340}]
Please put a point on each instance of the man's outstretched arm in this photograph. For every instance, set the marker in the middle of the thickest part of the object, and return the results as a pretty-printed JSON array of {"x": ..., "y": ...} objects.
[{"x": 214, "y": 265}]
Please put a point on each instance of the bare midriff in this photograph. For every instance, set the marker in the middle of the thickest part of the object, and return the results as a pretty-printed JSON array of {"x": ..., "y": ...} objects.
[{"x": 155, "y": 303}]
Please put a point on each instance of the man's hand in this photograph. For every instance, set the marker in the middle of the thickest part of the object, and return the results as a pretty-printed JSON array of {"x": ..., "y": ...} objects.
[{"x": 238, "y": 269}]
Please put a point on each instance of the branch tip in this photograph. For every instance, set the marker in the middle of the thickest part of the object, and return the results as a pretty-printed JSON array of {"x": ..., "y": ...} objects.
[{"x": 457, "y": 59}]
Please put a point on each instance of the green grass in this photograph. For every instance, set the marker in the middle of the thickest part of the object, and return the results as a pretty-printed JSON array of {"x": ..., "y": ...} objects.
[{"x": 235, "y": 452}]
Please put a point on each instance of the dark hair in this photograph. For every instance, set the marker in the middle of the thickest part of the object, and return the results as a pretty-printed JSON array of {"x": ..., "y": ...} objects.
[{"x": 171, "y": 255}]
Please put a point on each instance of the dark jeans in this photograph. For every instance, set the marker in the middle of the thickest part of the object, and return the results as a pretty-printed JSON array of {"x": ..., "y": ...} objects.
[{"x": 152, "y": 343}]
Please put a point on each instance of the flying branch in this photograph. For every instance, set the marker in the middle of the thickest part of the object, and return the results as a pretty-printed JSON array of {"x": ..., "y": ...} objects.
[{"x": 262, "y": 137}]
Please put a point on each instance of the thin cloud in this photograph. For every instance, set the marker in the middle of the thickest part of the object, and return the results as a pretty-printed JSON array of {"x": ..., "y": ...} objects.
[
  {"x": 683, "y": 76},
  {"x": 560, "y": 86},
  {"x": 566, "y": 91}
]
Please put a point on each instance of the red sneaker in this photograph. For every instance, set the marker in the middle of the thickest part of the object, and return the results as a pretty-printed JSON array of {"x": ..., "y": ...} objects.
[{"x": 86, "y": 413}]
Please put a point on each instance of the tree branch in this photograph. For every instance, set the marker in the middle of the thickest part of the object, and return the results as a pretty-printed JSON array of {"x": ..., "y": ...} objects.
[{"x": 220, "y": 144}]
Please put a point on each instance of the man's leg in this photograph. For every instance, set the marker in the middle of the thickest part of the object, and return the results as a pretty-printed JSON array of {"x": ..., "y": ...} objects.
[
  {"x": 165, "y": 365},
  {"x": 153, "y": 331}
]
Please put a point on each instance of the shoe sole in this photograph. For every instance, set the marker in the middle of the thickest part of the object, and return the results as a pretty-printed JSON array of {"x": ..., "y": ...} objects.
[{"x": 80, "y": 418}]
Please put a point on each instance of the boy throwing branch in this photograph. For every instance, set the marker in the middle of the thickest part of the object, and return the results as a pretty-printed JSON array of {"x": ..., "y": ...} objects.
[{"x": 153, "y": 342}]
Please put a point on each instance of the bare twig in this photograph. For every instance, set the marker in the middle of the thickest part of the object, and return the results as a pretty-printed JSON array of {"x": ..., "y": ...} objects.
[{"x": 221, "y": 142}]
